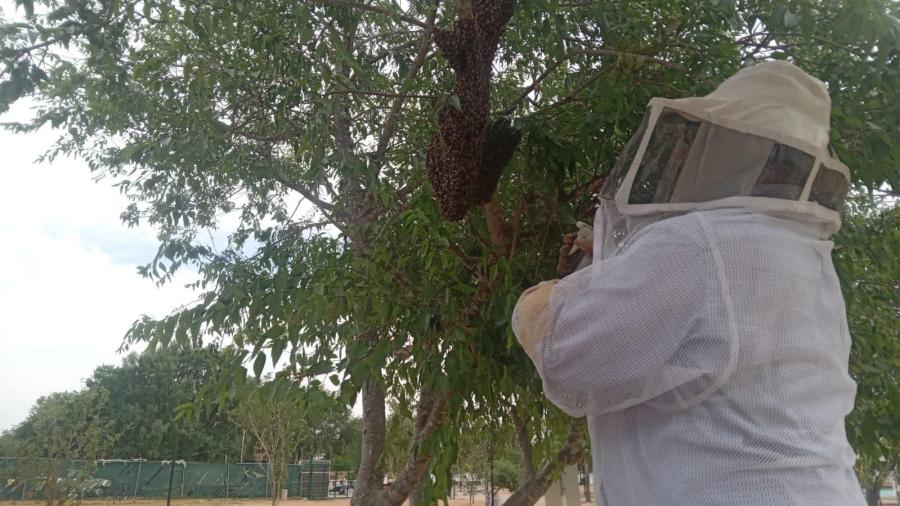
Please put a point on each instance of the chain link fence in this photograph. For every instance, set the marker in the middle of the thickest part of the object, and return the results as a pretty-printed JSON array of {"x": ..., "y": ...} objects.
[{"x": 24, "y": 479}]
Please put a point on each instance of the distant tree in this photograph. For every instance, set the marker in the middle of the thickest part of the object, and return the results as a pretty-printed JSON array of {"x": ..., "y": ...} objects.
[
  {"x": 398, "y": 434},
  {"x": 331, "y": 432},
  {"x": 63, "y": 427},
  {"x": 506, "y": 473},
  {"x": 144, "y": 392},
  {"x": 139, "y": 402},
  {"x": 867, "y": 257},
  {"x": 277, "y": 424},
  {"x": 347, "y": 457},
  {"x": 9, "y": 444}
]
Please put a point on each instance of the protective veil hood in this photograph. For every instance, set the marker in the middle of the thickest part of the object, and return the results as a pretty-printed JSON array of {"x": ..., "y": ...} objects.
[{"x": 759, "y": 141}]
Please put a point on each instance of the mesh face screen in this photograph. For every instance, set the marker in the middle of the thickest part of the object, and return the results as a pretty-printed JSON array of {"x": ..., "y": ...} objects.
[
  {"x": 623, "y": 163},
  {"x": 829, "y": 188},
  {"x": 668, "y": 150},
  {"x": 716, "y": 162},
  {"x": 785, "y": 173}
]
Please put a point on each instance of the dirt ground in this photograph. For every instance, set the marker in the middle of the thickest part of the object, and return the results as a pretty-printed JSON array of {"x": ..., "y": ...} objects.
[{"x": 478, "y": 501}]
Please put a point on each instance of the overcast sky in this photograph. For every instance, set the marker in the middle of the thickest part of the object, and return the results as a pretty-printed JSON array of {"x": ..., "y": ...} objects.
[{"x": 69, "y": 287}]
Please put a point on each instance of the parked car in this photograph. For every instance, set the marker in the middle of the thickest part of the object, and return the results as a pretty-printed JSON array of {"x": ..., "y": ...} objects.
[
  {"x": 341, "y": 487},
  {"x": 94, "y": 487}
]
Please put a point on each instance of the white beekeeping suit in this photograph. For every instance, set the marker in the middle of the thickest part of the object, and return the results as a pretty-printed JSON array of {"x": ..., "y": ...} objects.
[{"x": 707, "y": 343}]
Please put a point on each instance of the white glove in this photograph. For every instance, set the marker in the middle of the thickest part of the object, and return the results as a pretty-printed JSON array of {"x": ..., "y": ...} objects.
[{"x": 531, "y": 319}]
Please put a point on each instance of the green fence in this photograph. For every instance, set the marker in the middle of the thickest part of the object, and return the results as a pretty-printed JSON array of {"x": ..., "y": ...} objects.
[{"x": 27, "y": 478}]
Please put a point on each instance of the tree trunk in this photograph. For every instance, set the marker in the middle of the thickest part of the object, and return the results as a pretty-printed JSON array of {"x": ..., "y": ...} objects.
[
  {"x": 423, "y": 411},
  {"x": 523, "y": 440},
  {"x": 587, "y": 479},
  {"x": 275, "y": 491},
  {"x": 873, "y": 494},
  {"x": 873, "y": 479},
  {"x": 369, "y": 490},
  {"x": 535, "y": 488},
  {"x": 370, "y": 477}
]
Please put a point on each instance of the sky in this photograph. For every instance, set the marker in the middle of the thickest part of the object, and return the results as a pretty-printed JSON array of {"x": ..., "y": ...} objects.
[{"x": 69, "y": 287}]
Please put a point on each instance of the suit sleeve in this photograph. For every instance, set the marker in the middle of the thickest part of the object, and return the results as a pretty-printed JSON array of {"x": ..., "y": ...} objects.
[{"x": 650, "y": 325}]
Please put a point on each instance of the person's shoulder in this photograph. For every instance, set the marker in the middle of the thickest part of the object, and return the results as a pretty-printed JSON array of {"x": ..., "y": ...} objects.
[
  {"x": 683, "y": 231},
  {"x": 747, "y": 224},
  {"x": 703, "y": 229}
]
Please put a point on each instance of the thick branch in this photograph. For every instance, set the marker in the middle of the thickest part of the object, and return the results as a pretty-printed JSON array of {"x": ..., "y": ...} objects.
[
  {"x": 76, "y": 30},
  {"x": 525, "y": 447},
  {"x": 412, "y": 473},
  {"x": 494, "y": 217},
  {"x": 465, "y": 9},
  {"x": 637, "y": 56},
  {"x": 572, "y": 452}
]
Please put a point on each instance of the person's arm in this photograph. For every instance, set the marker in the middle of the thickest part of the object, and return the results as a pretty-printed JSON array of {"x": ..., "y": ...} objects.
[{"x": 649, "y": 325}]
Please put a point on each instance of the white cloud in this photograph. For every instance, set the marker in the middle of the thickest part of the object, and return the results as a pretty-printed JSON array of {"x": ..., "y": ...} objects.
[{"x": 69, "y": 288}]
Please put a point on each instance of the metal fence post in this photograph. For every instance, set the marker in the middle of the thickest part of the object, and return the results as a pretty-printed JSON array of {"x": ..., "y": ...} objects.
[
  {"x": 227, "y": 477},
  {"x": 171, "y": 479},
  {"x": 137, "y": 480}
]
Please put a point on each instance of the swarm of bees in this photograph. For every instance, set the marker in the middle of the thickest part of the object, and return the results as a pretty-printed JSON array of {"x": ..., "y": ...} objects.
[{"x": 469, "y": 151}]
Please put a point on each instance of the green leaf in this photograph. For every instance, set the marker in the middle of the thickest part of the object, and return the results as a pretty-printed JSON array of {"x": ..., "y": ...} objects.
[
  {"x": 790, "y": 19},
  {"x": 259, "y": 364},
  {"x": 277, "y": 348},
  {"x": 28, "y": 5}
]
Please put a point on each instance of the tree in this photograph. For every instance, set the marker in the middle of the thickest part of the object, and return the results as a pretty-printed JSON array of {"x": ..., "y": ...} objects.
[
  {"x": 332, "y": 432},
  {"x": 144, "y": 392},
  {"x": 315, "y": 125},
  {"x": 866, "y": 255},
  {"x": 141, "y": 399},
  {"x": 63, "y": 427},
  {"x": 137, "y": 401},
  {"x": 277, "y": 423}
]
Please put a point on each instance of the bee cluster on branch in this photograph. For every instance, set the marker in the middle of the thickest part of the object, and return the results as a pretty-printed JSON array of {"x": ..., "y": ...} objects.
[{"x": 467, "y": 155}]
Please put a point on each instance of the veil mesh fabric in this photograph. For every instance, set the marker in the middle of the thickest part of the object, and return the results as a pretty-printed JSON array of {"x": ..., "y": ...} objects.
[
  {"x": 689, "y": 161},
  {"x": 709, "y": 351}
]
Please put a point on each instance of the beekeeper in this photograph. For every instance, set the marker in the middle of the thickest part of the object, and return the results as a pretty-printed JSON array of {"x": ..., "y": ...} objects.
[{"x": 707, "y": 342}]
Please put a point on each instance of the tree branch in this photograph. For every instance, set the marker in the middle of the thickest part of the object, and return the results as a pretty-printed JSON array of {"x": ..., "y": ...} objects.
[
  {"x": 571, "y": 96},
  {"x": 586, "y": 52},
  {"x": 377, "y": 10},
  {"x": 572, "y": 452},
  {"x": 397, "y": 96},
  {"x": 493, "y": 215},
  {"x": 525, "y": 446},
  {"x": 534, "y": 85},
  {"x": 391, "y": 123},
  {"x": 305, "y": 192},
  {"x": 415, "y": 467}
]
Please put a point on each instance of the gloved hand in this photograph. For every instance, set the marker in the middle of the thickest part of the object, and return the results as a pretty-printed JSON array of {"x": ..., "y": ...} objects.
[
  {"x": 576, "y": 251},
  {"x": 570, "y": 255},
  {"x": 531, "y": 318}
]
